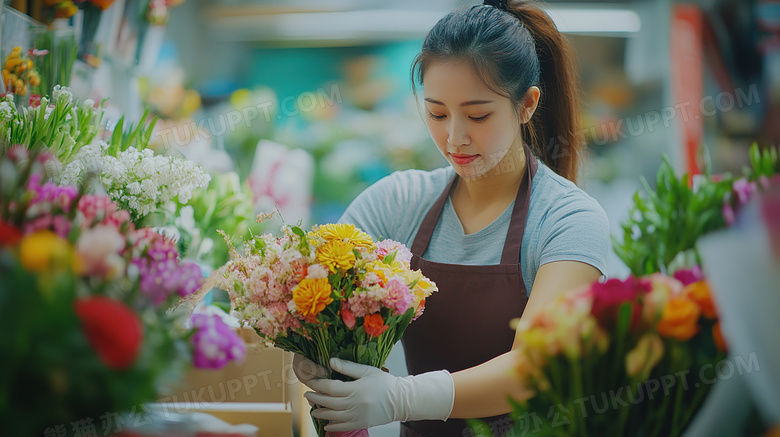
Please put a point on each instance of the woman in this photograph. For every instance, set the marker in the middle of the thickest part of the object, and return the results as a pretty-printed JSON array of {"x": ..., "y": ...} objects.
[{"x": 499, "y": 86}]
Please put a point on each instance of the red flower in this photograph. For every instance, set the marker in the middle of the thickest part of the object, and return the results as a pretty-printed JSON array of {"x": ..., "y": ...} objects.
[
  {"x": 113, "y": 330},
  {"x": 35, "y": 100},
  {"x": 689, "y": 276},
  {"x": 9, "y": 235},
  {"x": 374, "y": 325},
  {"x": 348, "y": 317},
  {"x": 610, "y": 295}
]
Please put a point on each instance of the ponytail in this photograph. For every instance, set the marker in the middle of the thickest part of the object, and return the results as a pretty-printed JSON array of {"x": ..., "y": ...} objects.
[
  {"x": 512, "y": 46},
  {"x": 555, "y": 125}
]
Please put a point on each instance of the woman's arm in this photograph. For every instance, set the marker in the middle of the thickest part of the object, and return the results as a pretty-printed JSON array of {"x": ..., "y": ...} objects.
[
  {"x": 481, "y": 391},
  {"x": 375, "y": 397}
]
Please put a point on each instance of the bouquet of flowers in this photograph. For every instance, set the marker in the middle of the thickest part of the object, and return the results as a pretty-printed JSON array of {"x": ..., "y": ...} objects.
[
  {"x": 624, "y": 357},
  {"x": 86, "y": 299},
  {"x": 329, "y": 292}
]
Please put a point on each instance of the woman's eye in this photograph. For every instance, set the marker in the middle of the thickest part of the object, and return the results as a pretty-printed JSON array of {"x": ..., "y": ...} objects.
[
  {"x": 434, "y": 116},
  {"x": 481, "y": 118}
]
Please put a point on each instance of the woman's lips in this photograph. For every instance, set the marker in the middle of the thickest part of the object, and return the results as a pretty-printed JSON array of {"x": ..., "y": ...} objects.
[{"x": 461, "y": 159}]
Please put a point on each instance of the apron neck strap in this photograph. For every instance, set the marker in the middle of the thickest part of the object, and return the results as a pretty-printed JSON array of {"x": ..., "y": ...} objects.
[{"x": 514, "y": 237}]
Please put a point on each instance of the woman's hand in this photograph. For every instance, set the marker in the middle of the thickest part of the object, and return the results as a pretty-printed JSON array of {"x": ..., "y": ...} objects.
[
  {"x": 306, "y": 369},
  {"x": 376, "y": 398}
]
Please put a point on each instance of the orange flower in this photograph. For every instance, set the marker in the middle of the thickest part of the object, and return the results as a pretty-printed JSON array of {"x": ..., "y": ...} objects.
[
  {"x": 102, "y": 4},
  {"x": 374, "y": 325},
  {"x": 699, "y": 292},
  {"x": 311, "y": 296},
  {"x": 717, "y": 335},
  {"x": 679, "y": 319}
]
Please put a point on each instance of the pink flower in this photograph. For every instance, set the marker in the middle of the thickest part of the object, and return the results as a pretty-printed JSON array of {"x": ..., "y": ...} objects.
[
  {"x": 728, "y": 215},
  {"x": 610, "y": 295},
  {"x": 386, "y": 247},
  {"x": 99, "y": 250},
  {"x": 275, "y": 319},
  {"x": 95, "y": 209},
  {"x": 689, "y": 276},
  {"x": 18, "y": 153},
  {"x": 365, "y": 302},
  {"x": 61, "y": 226},
  {"x": 397, "y": 297},
  {"x": 348, "y": 317}
]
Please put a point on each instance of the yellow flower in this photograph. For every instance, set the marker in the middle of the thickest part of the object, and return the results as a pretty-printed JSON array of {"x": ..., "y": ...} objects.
[
  {"x": 337, "y": 255},
  {"x": 423, "y": 288},
  {"x": 39, "y": 250},
  {"x": 644, "y": 356},
  {"x": 347, "y": 233},
  {"x": 311, "y": 296}
]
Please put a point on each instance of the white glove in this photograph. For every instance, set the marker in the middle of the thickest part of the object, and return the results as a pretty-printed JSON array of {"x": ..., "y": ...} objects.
[
  {"x": 376, "y": 398},
  {"x": 306, "y": 369}
]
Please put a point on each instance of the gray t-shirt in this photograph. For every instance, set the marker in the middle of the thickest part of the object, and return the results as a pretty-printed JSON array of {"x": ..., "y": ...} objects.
[{"x": 564, "y": 223}]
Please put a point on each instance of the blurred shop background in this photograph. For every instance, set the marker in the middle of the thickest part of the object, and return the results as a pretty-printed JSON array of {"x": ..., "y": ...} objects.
[{"x": 309, "y": 102}]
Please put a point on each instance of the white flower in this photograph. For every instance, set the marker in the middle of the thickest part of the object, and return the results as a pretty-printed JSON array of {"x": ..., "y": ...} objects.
[
  {"x": 61, "y": 94},
  {"x": 186, "y": 219}
]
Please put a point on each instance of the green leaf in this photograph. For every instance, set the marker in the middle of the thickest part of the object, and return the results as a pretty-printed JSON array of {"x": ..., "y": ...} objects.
[
  {"x": 298, "y": 231},
  {"x": 390, "y": 257},
  {"x": 624, "y": 319}
]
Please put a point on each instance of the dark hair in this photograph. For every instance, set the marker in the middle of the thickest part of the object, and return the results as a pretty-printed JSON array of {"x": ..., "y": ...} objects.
[{"x": 513, "y": 45}]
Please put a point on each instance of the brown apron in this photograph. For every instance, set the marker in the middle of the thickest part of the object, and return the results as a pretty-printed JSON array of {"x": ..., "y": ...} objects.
[{"x": 467, "y": 322}]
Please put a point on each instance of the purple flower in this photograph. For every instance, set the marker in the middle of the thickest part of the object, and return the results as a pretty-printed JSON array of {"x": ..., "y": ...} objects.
[
  {"x": 215, "y": 343},
  {"x": 689, "y": 276},
  {"x": 51, "y": 194},
  {"x": 191, "y": 278},
  {"x": 162, "y": 275},
  {"x": 743, "y": 190},
  {"x": 728, "y": 215}
]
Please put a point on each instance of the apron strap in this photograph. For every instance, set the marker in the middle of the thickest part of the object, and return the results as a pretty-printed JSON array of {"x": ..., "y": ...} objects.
[
  {"x": 514, "y": 238},
  {"x": 425, "y": 232}
]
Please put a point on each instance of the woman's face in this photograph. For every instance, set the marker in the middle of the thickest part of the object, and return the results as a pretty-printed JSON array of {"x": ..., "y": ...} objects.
[{"x": 473, "y": 127}]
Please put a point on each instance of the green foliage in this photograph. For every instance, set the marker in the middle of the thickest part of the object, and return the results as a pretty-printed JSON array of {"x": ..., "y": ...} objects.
[
  {"x": 666, "y": 222},
  {"x": 226, "y": 205},
  {"x": 137, "y": 136}
]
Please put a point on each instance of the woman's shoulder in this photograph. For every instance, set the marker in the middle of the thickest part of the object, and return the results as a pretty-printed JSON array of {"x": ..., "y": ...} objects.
[
  {"x": 413, "y": 185},
  {"x": 556, "y": 197}
]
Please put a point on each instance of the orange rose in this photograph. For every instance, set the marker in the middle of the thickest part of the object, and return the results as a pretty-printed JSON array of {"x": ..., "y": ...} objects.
[
  {"x": 679, "y": 319},
  {"x": 374, "y": 325},
  {"x": 699, "y": 292},
  {"x": 717, "y": 335},
  {"x": 311, "y": 296}
]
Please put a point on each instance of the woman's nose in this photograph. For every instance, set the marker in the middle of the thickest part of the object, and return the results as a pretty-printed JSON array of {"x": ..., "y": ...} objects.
[{"x": 458, "y": 135}]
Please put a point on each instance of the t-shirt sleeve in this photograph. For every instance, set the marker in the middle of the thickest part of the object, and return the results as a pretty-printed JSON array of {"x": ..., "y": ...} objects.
[
  {"x": 576, "y": 229},
  {"x": 376, "y": 209}
]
